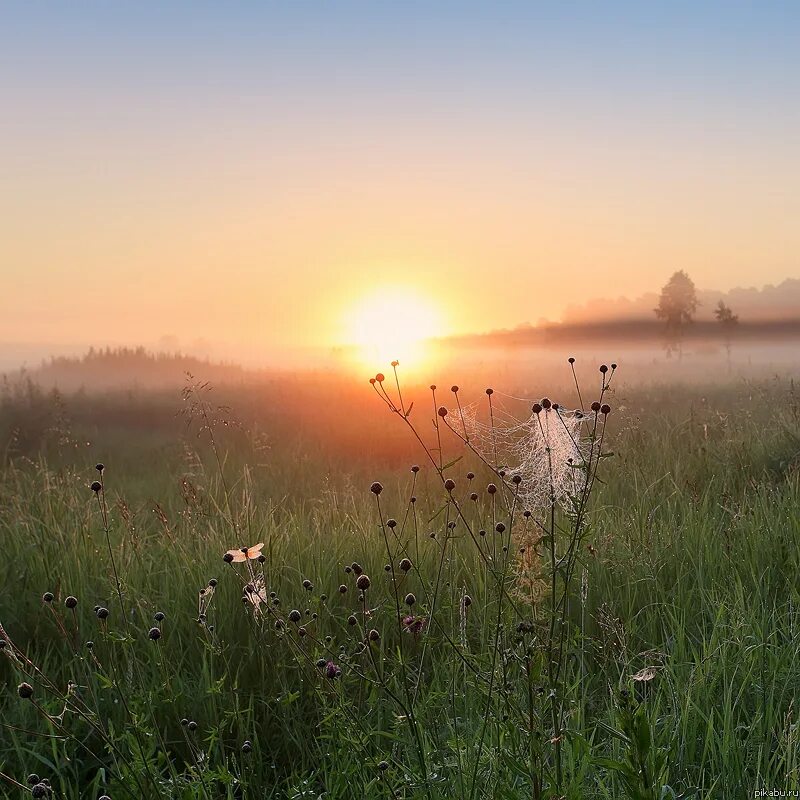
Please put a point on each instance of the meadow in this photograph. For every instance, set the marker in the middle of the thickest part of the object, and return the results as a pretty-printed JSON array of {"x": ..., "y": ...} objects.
[{"x": 635, "y": 635}]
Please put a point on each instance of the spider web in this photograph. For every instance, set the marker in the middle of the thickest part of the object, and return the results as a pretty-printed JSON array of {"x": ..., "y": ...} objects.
[{"x": 548, "y": 450}]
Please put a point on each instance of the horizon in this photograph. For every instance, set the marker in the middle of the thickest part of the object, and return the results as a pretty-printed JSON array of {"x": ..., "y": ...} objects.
[{"x": 249, "y": 181}]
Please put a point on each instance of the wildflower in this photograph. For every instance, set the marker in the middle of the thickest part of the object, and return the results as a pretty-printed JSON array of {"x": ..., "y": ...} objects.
[
  {"x": 342, "y": 589},
  {"x": 154, "y": 634},
  {"x": 40, "y": 790},
  {"x": 47, "y": 597},
  {"x": 376, "y": 488},
  {"x": 603, "y": 369},
  {"x": 442, "y": 412},
  {"x": 99, "y": 467},
  {"x": 294, "y": 615},
  {"x": 332, "y": 671},
  {"x": 363, "y": 582},
  {"x": 159, "y": 616},
  {"x": 449, "y": 484},
  {"x": 410, "y": 599},
  {"x": 351, "y": 620},
  {"x": 25, "y": 691},
  {"x": 605, "y": 409},
  {"x": 546, "y": 404},
  {"x": 491, "y": 488},
  {"x": 71, "y": 602},
  {"x": 307, "y": 585},
  {"x": 244, "y": 553},
  {"x": 405, "y": 564},
  {"x": 101, "y": 613},
  {"x": 374, "y": 636},
  {"x": 414, "y": 625},
  {"x": 96, "y": 486},
  {"x": 415, "y": 469},
  {"x": 391, "y": 523},
  {"x": 595, "y": 406}
]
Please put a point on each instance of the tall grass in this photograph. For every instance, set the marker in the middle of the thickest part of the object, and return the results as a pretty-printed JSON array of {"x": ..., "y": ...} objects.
[{"x": 677, "y": 673}]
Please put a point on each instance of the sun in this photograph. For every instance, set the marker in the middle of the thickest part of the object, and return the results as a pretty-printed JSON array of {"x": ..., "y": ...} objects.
[{"x": 393, "y": 324}]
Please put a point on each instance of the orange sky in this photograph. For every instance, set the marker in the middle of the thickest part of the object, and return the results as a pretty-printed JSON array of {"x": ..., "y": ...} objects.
[{"x": 213, "y": 187}]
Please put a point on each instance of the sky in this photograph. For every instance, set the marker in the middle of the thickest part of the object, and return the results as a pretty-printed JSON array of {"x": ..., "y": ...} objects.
[{"x": 246, "y": 176}]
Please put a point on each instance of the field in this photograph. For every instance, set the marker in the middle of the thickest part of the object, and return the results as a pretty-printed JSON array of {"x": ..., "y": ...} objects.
[{"x": 637, "y": 636}]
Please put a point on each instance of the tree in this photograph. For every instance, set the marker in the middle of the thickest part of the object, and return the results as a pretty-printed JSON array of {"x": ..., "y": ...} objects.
[
  {"x": 676, "y": 306},
  {"x": 728, "y": 322}
]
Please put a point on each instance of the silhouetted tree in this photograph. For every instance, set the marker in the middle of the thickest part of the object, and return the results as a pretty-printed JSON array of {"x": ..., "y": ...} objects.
[
  {"x": 676, "y": 306},
  {"x": 728, "y": 322}
]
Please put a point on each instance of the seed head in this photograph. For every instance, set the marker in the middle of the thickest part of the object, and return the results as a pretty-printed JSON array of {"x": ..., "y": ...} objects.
[
  {"x": 380, "y": 377},
  {"x": 101, "y": 613},
  {"x": 410, "y": 599},
  {"x": 294, "y": 615},
  {"x": 415, "y": 468},
  {"x": 603, "y": 369},
  {"x": 159, "y": 616},
  {"x": 405, "y": 564},
  {"x": 605, "y": 409},
  {"x": 212, "y": 583},
  {"x": 96, "y": 486},
  {"x": 595, "y": 406},
  {"x": 351, "y": 620},
  {"x": 99, "y": 467},
  {"x": 546, "y": 403},
  {"x": 454, "y": 389},
  {"x": 47, "y": 597},
  {"x": 342, "y": 589},
  {"x": 374, "y": 636},
  {"x": 571, "y": 360},
  {"x": 467, "y": 601},
  {"x": 449, "y": 484},
  {"x": 25, "y": 691},
  {"x": 89, "y": 645},
  {"x": 307, "y": 585},
  {"x": 301, "y": 631},
  {"x": 383, "y": 766},
  {"x": 500, "y": 527},
  {"x": 192, "y": 726},
  {"x": 40, "y": 790},
  {"x": 227, "y": 558},
  {"x": 71, "y": 602},
  {"x": 473, "y": 496},
  {"x": 433, "y": 387},
  {"x": 536, "y": 408},
  {"x": 376, "y": 488},
  {"x": 442, "y": 412},
  {"x": 247, "y": 746},
  {"x": 363, "y": 582},
  {"x": 490, "y": 391},
  {"x": 32, "y": 779},
  {"x": 154, "y": 634},
  {"x": 491, "y": 488}
]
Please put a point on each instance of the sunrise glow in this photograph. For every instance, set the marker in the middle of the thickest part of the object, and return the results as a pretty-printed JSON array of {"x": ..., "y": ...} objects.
[{"x": 393, "y": 324}]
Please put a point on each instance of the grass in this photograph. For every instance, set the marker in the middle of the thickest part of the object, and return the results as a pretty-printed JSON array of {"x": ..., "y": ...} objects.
[{"x": 684, "y": 576}]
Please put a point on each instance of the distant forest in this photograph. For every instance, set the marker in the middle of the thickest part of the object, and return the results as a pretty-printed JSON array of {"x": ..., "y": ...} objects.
[{"x": 134, "y": 367}]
